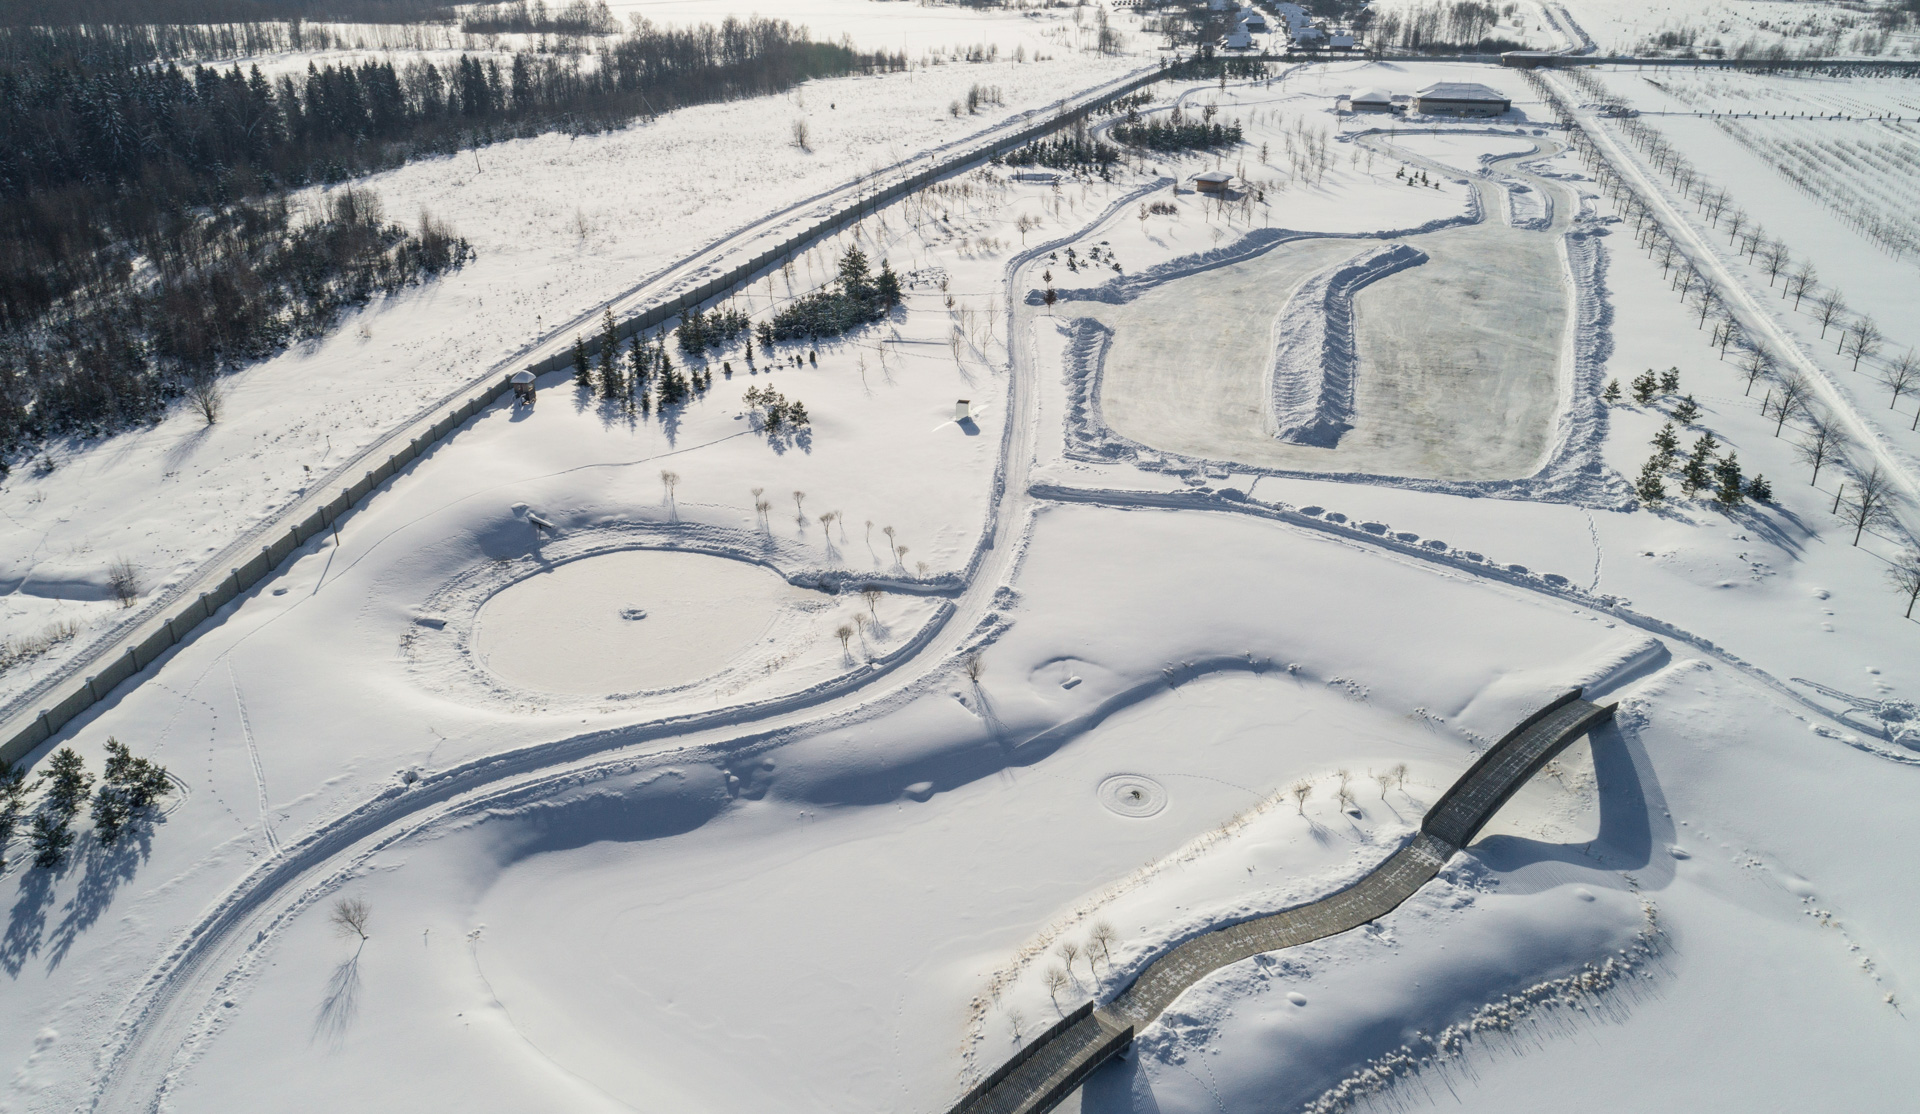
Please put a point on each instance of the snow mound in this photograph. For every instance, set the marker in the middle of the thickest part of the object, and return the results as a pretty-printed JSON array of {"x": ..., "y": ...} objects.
[{"x": 1315, "y": 355}]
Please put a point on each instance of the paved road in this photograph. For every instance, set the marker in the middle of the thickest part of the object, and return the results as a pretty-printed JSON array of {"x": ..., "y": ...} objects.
[{"x": 1048, "y": 1071}]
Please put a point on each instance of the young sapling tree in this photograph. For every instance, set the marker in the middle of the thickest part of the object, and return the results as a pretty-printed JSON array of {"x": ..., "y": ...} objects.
[
  {"x": 1871, "y": 505},
  {"x": 349, "y": 917}
]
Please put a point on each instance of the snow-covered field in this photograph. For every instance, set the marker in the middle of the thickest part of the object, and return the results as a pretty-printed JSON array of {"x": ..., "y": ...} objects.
[
  {"x": 1719, "y": 28},
  {"x": 652, "y": 808}
]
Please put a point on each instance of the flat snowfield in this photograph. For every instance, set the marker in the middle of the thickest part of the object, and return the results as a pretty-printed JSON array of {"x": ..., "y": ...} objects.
[{"x": 681, "y": 763}]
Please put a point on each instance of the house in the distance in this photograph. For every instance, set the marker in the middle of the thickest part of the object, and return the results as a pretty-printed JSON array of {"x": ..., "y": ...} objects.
[{"x": 1460, "y": 98}]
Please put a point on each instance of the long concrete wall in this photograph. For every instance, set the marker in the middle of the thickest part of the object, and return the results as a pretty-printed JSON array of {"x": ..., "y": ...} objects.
[
  {"x": 147, "y": 643},
  {"x": 1047, "y": 1070}
]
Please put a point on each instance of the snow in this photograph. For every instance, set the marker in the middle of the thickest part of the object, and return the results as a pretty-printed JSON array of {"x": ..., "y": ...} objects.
[{"x": 709, "y": 858}]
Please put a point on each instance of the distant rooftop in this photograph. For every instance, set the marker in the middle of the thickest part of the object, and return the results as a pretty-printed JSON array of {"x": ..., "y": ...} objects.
[{"x": 1460, "y": 91}]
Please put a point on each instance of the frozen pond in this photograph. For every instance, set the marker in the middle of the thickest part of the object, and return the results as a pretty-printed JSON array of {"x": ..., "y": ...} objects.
[{"x": 636, "y": 619}]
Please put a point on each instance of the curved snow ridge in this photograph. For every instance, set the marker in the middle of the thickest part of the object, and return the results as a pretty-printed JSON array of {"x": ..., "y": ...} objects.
[{"x": 1316, "y": 355}]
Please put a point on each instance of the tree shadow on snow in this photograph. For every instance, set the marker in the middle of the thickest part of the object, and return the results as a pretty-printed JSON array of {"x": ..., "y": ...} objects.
[
  {"x": 341, "y": 1002},
  {"x": 103, "y": 871},
  {"x": 27, "y": 921}
]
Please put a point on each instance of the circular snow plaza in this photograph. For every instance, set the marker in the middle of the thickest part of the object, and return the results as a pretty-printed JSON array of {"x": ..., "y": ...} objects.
[{"x": 629, "y": 621}]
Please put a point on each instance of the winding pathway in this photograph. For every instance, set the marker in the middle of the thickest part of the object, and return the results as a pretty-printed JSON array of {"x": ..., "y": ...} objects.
[{"x": 1048, "y": 1069}]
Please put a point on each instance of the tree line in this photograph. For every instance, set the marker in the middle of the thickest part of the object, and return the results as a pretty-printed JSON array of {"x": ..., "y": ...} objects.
[{"x": 146, "y": 240}]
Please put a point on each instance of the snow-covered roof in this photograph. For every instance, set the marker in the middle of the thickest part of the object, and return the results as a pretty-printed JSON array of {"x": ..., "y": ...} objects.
[
  {"x": 1213, "y": 176},
  {"x": 1460, "y": 91},
  {"x": 1370, "y": 96}
]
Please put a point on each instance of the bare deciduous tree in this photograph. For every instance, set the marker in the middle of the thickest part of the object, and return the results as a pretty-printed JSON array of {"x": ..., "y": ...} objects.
[
  {"x": 844, "y": 632},
  {"x": 1804, "y": 278},
  {"x": 1828, "y": 307},
  {"x": 975, "y": 668},
  {"x": 669, "y": 481},
  {"x": 1821, "y": 444},
  {"x": 1904, "y": 575},
  {"x": 1056, "y": 982},
  {"x": 1103, "y": 937},
  {"x": 870, "y": 594},
  {"x": 1400, "y": 776},
  {"x": 1774, "y": 259},
  {"x": 1863, "y": 341},
  {"x": 1754, "y": 364},
  {"x": 1300, "y": 791},
  {"x": 1069, "y": 951},
  {"x": 800, "y": 135},
  {"x": 1792, "y": 400},
  {"x": 1871, "y": 505},
  {"x": 349, "y": 917},
  {"x": 206, "y": 398},
  {"x": 1898, "y": 376},
  {"x": 123, "y": 580}
]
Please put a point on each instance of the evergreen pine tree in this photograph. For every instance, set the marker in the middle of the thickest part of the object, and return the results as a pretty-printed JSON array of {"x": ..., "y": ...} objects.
[
  {"x": 1651, "y": 489},
  {"x": 1727, "y": 473},
  {"x": 68, "y": 781},
  {"x": 797, "y": 413},
  {"x": 636, "y": 369},
  {"x": 609, "y": 356},
  {"x": 1759, "y": 490},
  {"x": 1643, "y": 387},
  {"x": 50, "y": 837},
  {"x": 1665, "y": 443},
  {"x": 1686, "y": 411},
  {"x": 887, "y": 286},
  {"x": 766, "y": 336},
  {"x": 1612, "y": 394},
  {"x": 1670, "y": 381},
  {"x": 582, "y": 367},
  {"x": 1695, "y": 474},
  {"x": 13, "y": 796},
  {"x": 813, "y": 357}
]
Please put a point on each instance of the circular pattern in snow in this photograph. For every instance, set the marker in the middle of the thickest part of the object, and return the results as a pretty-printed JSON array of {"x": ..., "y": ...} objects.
[
  {"x": 627, "y": 621},
  {"x": 1132, "y": 795}
]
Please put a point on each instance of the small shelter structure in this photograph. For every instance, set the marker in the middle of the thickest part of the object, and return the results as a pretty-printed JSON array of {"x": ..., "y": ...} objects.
[
  {"x": 1460, "y": 98},
  {"x": 522, "y": 387},
  {"x": 1214, "y": 182}
]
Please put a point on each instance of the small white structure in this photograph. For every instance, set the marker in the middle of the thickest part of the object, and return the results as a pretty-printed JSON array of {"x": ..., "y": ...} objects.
[
  {"x": 1237, "y": 39},
  {"x": 1370, "y": 100},
  {"x": 962, "y": 410},
  {"x": 1252, "y": 20},
  {"x": 1341, "y": 40}
]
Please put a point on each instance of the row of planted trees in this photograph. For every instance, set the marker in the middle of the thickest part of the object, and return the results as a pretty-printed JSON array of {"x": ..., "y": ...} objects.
[{"x": 1867, "y": 497}]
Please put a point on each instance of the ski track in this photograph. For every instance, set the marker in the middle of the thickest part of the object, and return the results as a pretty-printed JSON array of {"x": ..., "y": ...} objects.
[{"x": 253, "y": 756}]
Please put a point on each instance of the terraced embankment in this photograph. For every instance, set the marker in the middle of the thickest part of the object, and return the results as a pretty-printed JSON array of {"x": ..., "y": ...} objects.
[{"x": 1048, "y": 1069}]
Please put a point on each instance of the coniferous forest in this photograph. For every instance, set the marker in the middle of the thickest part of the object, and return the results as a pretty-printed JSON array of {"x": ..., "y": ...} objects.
[{"x": 146, "y": 237}]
